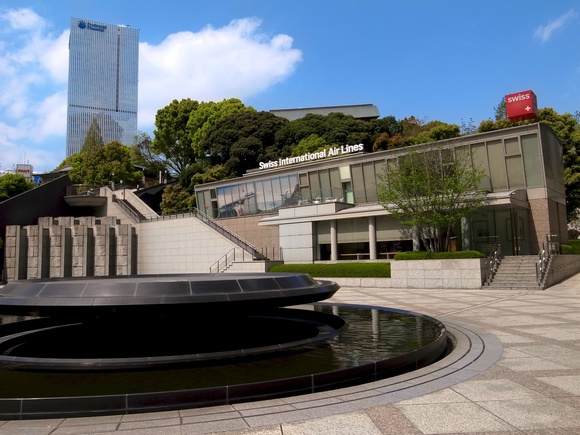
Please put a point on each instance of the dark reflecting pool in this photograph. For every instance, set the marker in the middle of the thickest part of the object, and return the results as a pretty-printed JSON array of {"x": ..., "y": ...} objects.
[
  {"x": 383, "y": 342},
  {"x": 120, "y": 345}
]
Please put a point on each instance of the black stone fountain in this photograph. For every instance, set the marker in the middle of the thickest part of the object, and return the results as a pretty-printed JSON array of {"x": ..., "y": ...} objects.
[{"x": 119, "y": 345}]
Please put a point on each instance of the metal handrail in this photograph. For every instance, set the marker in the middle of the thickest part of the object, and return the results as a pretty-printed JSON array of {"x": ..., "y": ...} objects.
[
  {"x": 549, "y": 248},
  {"x": 247, "y": 246},
  {"x": 492, "y": 262},
  {"x": 128, "y": 208},
  {"x": 224, "y": 262}
]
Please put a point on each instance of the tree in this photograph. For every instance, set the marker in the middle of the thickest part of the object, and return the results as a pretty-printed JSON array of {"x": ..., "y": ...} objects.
[
  {"x": 241, "y": 140},
  {"x": 172, "y": 141},
  {"x": 12, "y": 185},
  {"x": 335, "y": 128},
  {"x": 310, "y": 144},
  {"x": 500, "y": 110},
  {"x": 100, "y": 165},
  {"x": 206, "y": 115},
  {"x": 175, "y": 198},
  {"x": 431, "y": 190},
  {"x": 142, "y": 154},
  {"x": 93, "y": 137}
]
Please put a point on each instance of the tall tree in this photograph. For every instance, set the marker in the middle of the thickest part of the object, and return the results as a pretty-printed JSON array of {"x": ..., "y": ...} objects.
[
  {"x": 172, "y": 141},
  {"x": 241, "y": 140},
  {"x": 142, "y": 154},
  {"x": 94, "y": 137},
  {"x": 431, "y": 190},
  {"x": 205, "y": 116},
  {"x": 100, "y": 165}
]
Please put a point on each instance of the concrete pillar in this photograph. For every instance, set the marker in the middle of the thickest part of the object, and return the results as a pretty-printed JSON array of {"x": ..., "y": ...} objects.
[
  {"x": 333, "y": 241},
  {"x": 56, "y": 235},
  {"x": 79, "y": 250},
  {"x": 101, "y": 239},
  {"x": 124, "y": 239},
  {"x": 33, "y": 254},
  {"x": 11, "y": 244},
  {"x": 372, "y": 238}
]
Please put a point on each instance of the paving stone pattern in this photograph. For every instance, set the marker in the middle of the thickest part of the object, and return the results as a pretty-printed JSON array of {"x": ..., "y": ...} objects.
[{"x": 516, "y": 370}]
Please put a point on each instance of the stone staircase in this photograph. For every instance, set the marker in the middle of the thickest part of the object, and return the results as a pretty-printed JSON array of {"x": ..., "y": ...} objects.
[{"x": 517, "y": 273}]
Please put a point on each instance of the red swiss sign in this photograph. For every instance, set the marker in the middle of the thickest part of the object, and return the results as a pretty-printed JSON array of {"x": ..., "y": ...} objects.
[{"x": 521, "y": 105}]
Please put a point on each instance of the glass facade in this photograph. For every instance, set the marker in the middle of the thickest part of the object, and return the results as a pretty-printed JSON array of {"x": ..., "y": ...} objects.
[{"x": 102, "y": 82}]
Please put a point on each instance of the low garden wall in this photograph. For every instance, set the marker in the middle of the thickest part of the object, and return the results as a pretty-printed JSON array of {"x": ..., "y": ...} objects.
[{"x": 456, "y": 273}]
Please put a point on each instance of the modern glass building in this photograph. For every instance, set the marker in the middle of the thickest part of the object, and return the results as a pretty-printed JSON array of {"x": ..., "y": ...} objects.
[
  {"x": 102, "y": 82},
  {"x": 326, "y": 207}
]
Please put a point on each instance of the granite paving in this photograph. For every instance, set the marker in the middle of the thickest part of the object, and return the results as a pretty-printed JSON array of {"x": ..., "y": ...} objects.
[{"x": 515, "y": 370}]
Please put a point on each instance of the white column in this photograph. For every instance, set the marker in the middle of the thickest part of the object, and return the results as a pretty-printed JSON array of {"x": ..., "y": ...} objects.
[
  {"x": 372, "y": 238},
  {"x": 333, "y": 241}
]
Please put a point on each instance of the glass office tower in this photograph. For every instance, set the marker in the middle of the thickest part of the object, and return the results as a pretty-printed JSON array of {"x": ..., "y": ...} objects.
[{"x": 102, "y": 82}]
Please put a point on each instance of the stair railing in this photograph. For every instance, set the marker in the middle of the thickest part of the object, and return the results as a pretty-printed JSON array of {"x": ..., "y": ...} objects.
[
  {"x": 246, "y": 246},
  {"x": 223, "y": 263},
  {"x": 549, "y": 248},
  {"x": 492, "y": 262}
]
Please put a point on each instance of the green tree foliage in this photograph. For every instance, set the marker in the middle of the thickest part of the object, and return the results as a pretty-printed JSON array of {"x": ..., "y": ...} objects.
[
  {"x": 431, "y": 191},
  {"x": 243, "y": 139},
  {"x": 335, "y": 128},
  {"x": 142, "y": 154},
  {"x": 206, "y": 116},
  {"x": 12, "y": 185},
  {"x": 182, "y": 129},
  {"x": 500, "y": 110},
  {"x": 93, "y": 137},
  {"x": 175, "y": 198},
  {"x": 310, "y": 144},
  {"x": 97, "y": 166},
  {"x": 172, "y": 141}
]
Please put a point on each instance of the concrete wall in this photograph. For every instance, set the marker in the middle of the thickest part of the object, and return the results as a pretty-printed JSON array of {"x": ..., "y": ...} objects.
[
  {"x": 561, "y": 268},
  {"x": 265, "y": 238},
  {"x": 184, "y": 245},
  {"x": 297, "y": 242},
  {"x": 465, "y": 273},
  {"x": 69, "y": 247}
]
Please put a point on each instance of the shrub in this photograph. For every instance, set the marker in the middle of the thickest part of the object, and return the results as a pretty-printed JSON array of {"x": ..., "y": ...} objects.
[
  {"x": 425, "y": 255},
  {"x": 338, "y": 270},
  {"x": 573, "y": 247}
]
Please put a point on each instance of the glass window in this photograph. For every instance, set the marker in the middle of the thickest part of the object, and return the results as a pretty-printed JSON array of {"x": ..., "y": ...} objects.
[
  {"x": 314, "y": 184},
  {"x": 512, "y": 146},
  {"x": 515, "y": 172},
  {"x": 497, "y": 170},
  {"x": 531, "y": 154},
  {"x": 352, "y": 230},
  {"x": 325, "y": 183},
  {"x": 344, "y": 173},
  {"x": 358, "y": 183},
  {"x": 480, "y": 160},
  {"x": 369, "y": 180},
  {"x": 335, "y": 183}
]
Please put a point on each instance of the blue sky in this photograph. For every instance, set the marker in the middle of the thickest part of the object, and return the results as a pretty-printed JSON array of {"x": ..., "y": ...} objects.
[{"x": 436, "y": 60}]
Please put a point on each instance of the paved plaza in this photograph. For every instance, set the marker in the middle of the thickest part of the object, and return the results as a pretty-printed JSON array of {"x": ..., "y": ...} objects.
[{"x": 515, "y": 370}]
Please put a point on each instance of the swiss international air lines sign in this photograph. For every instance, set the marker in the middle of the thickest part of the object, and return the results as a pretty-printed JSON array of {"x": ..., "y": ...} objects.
[{"x": 521, "y": 105}]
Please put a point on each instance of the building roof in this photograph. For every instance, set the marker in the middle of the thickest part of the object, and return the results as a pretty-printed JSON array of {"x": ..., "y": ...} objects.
[{"x": 358, "y": 111}]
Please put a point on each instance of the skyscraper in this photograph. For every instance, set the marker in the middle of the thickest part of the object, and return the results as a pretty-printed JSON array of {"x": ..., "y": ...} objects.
[{"x": 102, "y": 82}]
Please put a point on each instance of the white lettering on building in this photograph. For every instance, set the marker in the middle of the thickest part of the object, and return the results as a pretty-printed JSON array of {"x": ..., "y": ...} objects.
[{"x": 327, "y": 152}]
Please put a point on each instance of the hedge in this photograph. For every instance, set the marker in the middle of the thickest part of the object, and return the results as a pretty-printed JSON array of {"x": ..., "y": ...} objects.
[
  {"x": 338, "y": 270},
  {"x": 424, "y": 255}
]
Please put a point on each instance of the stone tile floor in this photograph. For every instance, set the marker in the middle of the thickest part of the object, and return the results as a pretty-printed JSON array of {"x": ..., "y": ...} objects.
[{"x": 516, "y": 370}]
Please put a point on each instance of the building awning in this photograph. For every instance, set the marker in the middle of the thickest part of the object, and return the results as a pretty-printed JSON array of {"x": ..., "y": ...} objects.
[{"x": 513, "y": 198}]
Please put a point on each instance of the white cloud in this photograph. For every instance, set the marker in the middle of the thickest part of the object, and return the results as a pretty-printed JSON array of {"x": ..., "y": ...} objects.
[
  {"x": 235, "y": 61},
  {"x": 544, "y": 33}
]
